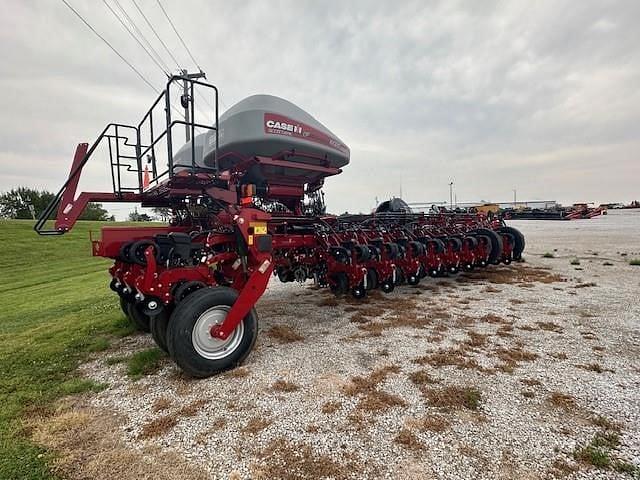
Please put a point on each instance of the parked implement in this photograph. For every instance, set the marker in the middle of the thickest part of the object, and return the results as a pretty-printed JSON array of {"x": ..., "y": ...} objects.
[{"x": 246, "y": 203}]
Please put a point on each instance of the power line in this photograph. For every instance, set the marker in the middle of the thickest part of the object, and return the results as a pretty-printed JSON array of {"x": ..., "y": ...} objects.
[
  {"x": 179, "y": 36},
  {"x": 141, "y": 35},
  {"x": 156, "y": 34},
  {"x": 204, "y": 99},
  {"x": 134, "y": 37},
  {"x": 110, "y": 46},
  {"x": 169, "y": 51},
  {"x": 142, "y": 77}
]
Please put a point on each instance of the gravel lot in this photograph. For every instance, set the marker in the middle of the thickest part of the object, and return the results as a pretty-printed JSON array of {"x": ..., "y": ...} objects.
[{"x": 505, "y": 373}]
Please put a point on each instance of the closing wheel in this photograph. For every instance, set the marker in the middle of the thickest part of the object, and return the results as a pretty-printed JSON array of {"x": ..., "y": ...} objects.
[
  {"x": 286, "y": 275},
  {"x": 123, "y": 253},
  {"x": 185, "y": 289},
  {"x": 372, "y": 279},
  {"x": 124, "y": 306},
  {"x": 387, "y": 286},
  {"x": 140, "y": 319},
  {"x": 137, "y": 249},
  {"x": 455, "y": 243},
  {"x": 340, "y": 284},
  {"x": 496, "y": 244},
  {"x": 189, "y": 339},
  {"x": 518, "y": 241},
  {"x": 359, "y": 292},
  {"x": 362, "y": 252},
  {"x": 159, "y": 324},
  {"x": 413, "y": 280}
]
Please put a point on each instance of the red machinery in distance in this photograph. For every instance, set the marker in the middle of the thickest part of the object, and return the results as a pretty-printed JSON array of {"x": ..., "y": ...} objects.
[{"x": 238, "y": 218}]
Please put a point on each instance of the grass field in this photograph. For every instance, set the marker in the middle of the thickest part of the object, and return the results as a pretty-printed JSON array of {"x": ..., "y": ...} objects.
[{"x": 55, "y": 308}]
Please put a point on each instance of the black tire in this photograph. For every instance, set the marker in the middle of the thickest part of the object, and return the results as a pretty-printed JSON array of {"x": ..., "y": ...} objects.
[
  {"x": 186, "y": 317},
  {"x": 341, "y": 254},
  {"x": 472, "y": 242},
  {"x": 519, "y": 242},
  {"x": 138, "y": 317},
  {"x": 123, "y": 253},
  {"x": 359, "y": 292},
  {"x": 375, "y": 252},
  {"x": 387, "y": 286},
  {"x": 136, "y": 252},
  {"x": 185, "y": 289},
  {"x": 417, "y": 248},
  {"x": 372, "y": 279},
  {"x": 455, "y": 243},
  {"x": 340, "y": 286},
  {"x": 124, "y": 306},
  {"x": 159, "y": 324},
  {"x": 438, "y": 244},
  {"x": 413, "y": 280},
  {"x": 496, "y": 244},
  {"x": 362, "y": 253},
  {"x": 392, "y": 249}
]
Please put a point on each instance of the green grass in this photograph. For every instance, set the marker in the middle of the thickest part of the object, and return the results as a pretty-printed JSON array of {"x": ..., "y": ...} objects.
[
  {"x": 143, "y": 363},
  {"x": 635, "y": 261},
  {"x": 598, "y": 457},
  {"x": 600, "y": 452},
  {"x": 56, "y": 309},
  {"x": 472, "y": 399},
  {"x": 626, "y": 467},
  {"x": 548, "y": 255}
]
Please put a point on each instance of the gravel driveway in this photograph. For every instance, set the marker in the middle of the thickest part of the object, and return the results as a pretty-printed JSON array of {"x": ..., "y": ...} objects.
[{"x": 526, "y": 371}]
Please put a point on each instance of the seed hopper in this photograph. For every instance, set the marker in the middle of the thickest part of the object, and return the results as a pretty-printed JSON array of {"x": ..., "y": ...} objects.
[{"x": 246, "y": 204}]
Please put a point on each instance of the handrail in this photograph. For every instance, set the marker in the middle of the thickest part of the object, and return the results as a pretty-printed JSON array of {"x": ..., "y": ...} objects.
[
  {"x": 84, "y": 152},
  {"x": 74, "y": 176}
]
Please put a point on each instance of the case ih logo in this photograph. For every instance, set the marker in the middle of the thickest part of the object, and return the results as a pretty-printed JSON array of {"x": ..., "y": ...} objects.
[
  {"x": 288, "y": 127},
  {"x": 275, "y": 124}
]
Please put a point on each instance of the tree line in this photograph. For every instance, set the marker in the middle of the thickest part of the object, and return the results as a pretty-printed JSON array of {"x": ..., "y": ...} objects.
[{"x": 27, "y": 203}]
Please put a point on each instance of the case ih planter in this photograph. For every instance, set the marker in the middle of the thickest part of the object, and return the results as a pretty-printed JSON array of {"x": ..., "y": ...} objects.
[{"x": 247, "y": 205}]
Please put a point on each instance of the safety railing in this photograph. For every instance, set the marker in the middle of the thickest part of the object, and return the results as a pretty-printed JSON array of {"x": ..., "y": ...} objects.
[{"x": 128, "y": 152}]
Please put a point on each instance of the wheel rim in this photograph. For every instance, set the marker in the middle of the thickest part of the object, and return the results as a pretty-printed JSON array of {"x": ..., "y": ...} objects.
[{"x": 214, "y": 348}]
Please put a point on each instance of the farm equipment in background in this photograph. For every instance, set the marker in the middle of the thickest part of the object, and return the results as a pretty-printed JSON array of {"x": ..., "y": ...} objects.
[
  {"x": 578, "y": 211},
  {"x": 246, "y": 205}
]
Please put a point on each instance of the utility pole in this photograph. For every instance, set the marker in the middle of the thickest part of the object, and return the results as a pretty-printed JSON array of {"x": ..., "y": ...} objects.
[
  {"x": 451, "y": 195},
  {"x": 185, "y": 100},
  {"x": 514, "y": 198}
]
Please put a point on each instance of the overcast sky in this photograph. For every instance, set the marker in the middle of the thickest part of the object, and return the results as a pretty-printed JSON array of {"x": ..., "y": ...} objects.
[{"x": 542, "y": 97}]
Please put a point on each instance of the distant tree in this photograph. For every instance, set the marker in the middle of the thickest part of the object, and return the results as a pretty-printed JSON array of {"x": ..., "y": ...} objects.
[
  {"x": 162, "y": 213},
  {"x": 18, "y": 202},
  {"x": 136, "y": 216},
  {"x": 95, "y": 211}
]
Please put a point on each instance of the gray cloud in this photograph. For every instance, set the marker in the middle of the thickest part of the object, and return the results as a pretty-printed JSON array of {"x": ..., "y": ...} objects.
[{"x": 538, "y": 96}]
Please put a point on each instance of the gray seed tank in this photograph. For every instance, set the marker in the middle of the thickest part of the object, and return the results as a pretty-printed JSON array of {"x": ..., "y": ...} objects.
[{"x": 265, "y": 125}]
